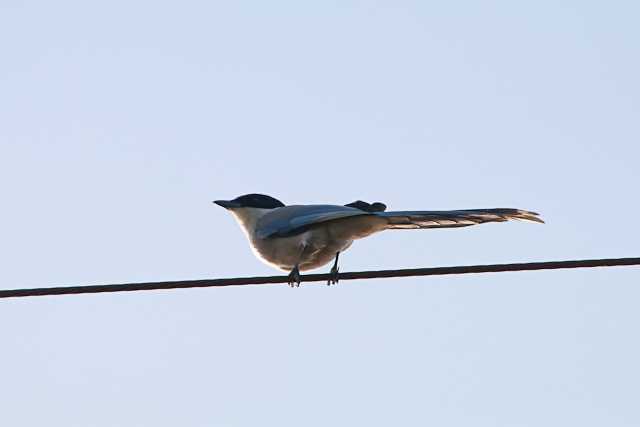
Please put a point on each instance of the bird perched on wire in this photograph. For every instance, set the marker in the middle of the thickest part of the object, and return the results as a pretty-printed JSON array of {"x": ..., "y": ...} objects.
[{"x": 303, "y": 237}]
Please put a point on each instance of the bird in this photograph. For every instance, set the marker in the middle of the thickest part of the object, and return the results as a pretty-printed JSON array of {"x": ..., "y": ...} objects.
[{"x": 298, "y": 238}]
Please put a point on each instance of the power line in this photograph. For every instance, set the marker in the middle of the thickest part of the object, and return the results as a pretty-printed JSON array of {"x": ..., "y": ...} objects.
[{"x": 237, "y": 281}]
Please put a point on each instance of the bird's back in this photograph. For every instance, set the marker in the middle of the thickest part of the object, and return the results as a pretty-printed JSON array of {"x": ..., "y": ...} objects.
[{"x": 294, "y": 219}]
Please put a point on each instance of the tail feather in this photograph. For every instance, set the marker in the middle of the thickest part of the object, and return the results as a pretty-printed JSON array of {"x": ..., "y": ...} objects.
[{"x": 459, "y": 218}]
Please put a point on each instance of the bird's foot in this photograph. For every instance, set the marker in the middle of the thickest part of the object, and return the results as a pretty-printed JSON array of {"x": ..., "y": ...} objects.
[
  {"x": 333, "y": 276},
  {"x": 294, "y": 278}
]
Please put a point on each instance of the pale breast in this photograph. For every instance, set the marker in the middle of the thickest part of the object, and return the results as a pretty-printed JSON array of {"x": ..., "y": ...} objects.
[
  {"x": 281, "y": 252},
  {"x": 311, "y": 249},
  {"x": 317, "y": 246}
]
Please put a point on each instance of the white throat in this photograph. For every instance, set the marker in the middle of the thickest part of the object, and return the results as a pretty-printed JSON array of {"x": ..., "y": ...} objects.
[{"x": 248, "y": 219}]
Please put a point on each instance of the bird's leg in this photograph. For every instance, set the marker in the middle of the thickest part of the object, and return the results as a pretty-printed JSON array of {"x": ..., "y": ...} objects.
[
  {"x": 333, "y": 279},
  {"x": 294, "y": 277}
]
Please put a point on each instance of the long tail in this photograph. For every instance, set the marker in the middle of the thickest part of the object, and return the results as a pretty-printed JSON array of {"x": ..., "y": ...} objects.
[{"x": 461, "y": 218}]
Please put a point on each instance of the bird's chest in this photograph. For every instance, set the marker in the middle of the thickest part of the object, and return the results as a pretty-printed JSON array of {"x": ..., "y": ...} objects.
[
  {"x": 280, "y": 252},
  {"x": 309, "y": 250}
]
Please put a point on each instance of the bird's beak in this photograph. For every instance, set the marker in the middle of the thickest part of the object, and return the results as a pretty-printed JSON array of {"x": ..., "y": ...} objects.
[{"x": 227, "y": 204}]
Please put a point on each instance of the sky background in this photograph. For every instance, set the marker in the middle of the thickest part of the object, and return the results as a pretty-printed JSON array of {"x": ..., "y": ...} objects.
[{"x": 121, "y": 121}]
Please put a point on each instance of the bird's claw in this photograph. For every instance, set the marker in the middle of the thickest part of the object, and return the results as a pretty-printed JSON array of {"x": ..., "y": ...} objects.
[
  {"x": 294, "y": 278},
  {"x": 333, "y": 276}
]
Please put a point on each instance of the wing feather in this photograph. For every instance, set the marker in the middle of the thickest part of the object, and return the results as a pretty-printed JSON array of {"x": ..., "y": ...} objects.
[{"x": 292, "y": 220}]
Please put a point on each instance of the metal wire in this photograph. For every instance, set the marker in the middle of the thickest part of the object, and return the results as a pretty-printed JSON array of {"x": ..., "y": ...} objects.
[{"x": 379, "y": 274}]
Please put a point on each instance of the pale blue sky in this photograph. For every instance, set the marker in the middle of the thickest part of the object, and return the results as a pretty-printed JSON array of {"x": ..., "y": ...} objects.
[{"x": 121, "y": 121}]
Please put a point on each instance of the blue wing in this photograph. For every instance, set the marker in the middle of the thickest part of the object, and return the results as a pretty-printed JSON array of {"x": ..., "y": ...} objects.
[{"x": 292, "y": 220}]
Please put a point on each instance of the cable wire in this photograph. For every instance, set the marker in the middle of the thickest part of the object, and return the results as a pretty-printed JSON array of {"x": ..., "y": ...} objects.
[{"x": 264, "y": 280}]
